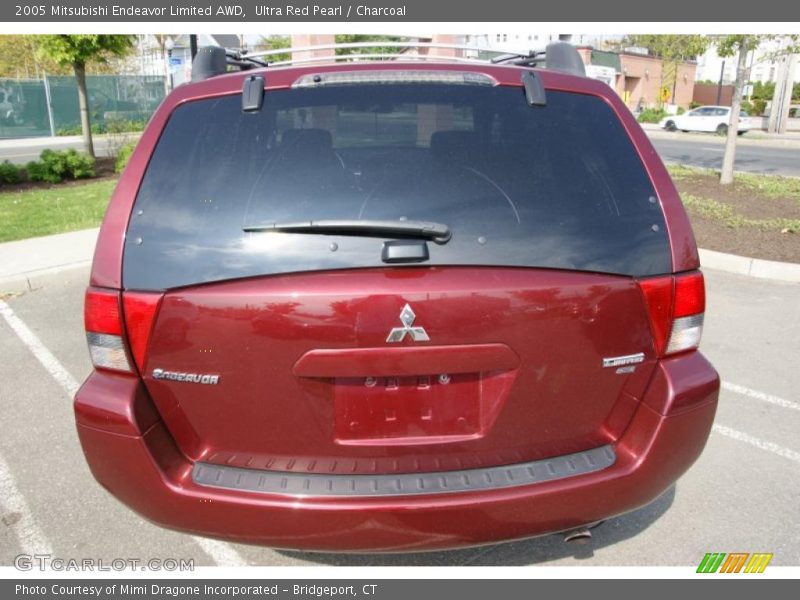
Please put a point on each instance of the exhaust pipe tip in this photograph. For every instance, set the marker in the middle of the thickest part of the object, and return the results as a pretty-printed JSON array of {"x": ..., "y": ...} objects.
[{"x": 578, "y": 537}]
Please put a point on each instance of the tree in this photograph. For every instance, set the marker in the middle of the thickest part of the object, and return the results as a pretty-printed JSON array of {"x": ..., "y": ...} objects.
[
  {"x": 741, "y": 45},
  {"x": 19, "y": 58},
  {"x": 672, "y": 50},
  {"x": 161, "y": 40},
  {"x": 78, "y": 50},
  {"x": 351, "y": 39},
  {"x": 275, "y": 42},
  {"x": 728, "y": 46}
]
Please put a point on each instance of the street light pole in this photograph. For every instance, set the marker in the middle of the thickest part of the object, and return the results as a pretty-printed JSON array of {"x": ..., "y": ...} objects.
[{"x": 169, "y": 45}]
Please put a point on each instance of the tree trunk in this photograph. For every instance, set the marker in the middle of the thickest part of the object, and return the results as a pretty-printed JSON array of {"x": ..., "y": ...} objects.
[
  {"x": 83, "y": 104},
  {"x": 675, "y": 84},
  {"x": 726, "y": 176}
]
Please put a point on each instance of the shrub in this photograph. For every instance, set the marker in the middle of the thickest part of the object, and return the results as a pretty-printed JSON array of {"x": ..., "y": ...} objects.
[
  {"x": 115, "y": 125},
  {"x": 118, "y": 137},
  {"x": 52, "y": 167},
  {"x": 97, "y": 129},
  {"x": 681, "y": 110},
  {"x": 124, "y": 125},
  {"x": 757, "y": 107},
  {"x": 123, "y": 156},
  {"x": 79, "y": 165},
  {"x": 693, "y": 105},
  {"x": 651, "y": 115},
  {"x": 35, "y": 171},
  {"x": 9, "y": 173},
  {"x": 55, "y": 166}
]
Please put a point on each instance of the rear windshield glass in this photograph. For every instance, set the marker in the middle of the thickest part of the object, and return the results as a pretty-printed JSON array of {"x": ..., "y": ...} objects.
[{"x": 558, "y": 186}]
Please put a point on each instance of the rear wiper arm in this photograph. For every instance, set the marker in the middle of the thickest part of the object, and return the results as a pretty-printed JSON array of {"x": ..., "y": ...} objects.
[{"x": 436, "y": 232}]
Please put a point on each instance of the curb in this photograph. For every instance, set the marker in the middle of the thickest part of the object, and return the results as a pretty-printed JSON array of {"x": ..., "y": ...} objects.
[
  {"x": 33, "y": 280},
  {"x": 752, "y": 267}
]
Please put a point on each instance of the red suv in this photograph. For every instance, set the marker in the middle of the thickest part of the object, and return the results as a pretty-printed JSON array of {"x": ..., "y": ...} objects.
[{"x": 394, "y": 306}]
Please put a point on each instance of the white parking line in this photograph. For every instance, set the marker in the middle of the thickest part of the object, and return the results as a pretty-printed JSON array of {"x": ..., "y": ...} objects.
[
  {"x": 741, "y": 436},
  {"x": 221, "y": 553},
  {"x": 763, "y": 396},
  {"x": 50, "y": 362},
  {"x": 31, "y": 539}
]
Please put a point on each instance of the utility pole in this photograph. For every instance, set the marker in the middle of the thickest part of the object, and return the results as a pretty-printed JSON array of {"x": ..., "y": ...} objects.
[
  {"x": 719, "y": 85},
  {"x": 782, "y": 97}
]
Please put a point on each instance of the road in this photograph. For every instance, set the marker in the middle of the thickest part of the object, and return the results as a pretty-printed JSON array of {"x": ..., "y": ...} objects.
[
  {"x": 702, "y": 150},
  {"x": 22, "y": 151},
  {"x": 741, "y": 496}
]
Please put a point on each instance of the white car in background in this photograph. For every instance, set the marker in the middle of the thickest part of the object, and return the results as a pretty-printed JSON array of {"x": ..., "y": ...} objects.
[{"x": 711, "y": 119}]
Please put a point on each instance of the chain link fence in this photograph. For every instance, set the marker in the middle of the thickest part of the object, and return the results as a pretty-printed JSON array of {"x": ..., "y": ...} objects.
[{"x": 49, "y": 106}]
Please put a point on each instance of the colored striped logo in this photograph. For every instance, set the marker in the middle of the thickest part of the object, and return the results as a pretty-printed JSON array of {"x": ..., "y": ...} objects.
[{"x": 734, "y": 562}]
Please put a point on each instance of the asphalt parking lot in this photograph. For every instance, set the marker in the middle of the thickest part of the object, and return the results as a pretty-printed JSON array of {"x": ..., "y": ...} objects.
[{"x": 741, "y": 496}]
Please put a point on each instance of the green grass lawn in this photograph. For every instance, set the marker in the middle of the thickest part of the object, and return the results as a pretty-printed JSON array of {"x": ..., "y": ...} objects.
[
  {"x": 724, "y": 213},
  {"x": 59, "y": 209}
]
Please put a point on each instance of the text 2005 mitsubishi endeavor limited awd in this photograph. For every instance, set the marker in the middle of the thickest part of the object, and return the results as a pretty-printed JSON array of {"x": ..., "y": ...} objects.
[{"x": 393, "y": 306}]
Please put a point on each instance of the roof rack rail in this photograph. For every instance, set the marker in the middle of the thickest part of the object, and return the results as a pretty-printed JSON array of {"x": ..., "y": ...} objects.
[
  {"x": 381, "y": 56},
  {"x": 361, "y": 45},
  {"x": 212, "y": 61}
]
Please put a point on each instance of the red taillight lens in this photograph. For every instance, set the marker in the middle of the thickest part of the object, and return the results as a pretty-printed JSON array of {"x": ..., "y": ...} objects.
[
  {"x": 102, "y": 319},
  {"x": 658, "y": 298},
  {"x": 690, "y": 295},
  {"x": 101, "y": 312},
  {"x": 675, "y": 305},
  {"x": 140, "y": 311}
]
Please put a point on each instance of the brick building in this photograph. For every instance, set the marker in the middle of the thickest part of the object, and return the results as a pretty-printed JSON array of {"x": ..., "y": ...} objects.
[{"x": 639, "y": 78}]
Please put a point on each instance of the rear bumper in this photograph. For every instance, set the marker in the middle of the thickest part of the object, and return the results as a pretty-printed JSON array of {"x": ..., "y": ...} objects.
[{"x": 133, "y": 456}]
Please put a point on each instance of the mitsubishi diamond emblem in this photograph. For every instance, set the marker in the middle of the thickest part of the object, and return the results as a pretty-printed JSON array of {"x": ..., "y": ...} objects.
[{"x": 398, "y": 334}]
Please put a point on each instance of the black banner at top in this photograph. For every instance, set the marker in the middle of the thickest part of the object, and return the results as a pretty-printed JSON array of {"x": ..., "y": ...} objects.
[{"x": 397, "y": 11}]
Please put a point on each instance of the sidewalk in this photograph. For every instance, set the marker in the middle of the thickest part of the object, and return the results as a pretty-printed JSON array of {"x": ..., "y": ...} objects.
[
  {"x": 22, "y": 150},
  {"x": 25, "y": 264},
  {"x": 58, "y": 141},
  {"x": 790, "y": 139}
]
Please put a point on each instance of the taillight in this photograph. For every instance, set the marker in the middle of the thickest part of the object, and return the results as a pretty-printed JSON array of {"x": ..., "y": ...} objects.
[
  {"x": 140, "y": 310},
  {"x": 103, "y": 322},
  {"x": 106, "y": 319},
  {"x": 687, "y": 314},
  {"x": 675, "y": 305}
]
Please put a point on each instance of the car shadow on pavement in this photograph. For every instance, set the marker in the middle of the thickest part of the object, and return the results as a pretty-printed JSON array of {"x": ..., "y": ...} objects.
[{"x": 525, "y": 552}]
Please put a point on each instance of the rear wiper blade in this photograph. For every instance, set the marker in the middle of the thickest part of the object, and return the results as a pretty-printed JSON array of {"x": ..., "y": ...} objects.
[{"x": 436, "y": 232}]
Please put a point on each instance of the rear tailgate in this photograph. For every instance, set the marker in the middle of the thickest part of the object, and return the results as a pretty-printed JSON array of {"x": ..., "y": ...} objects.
[{"x": 513, "y": 369}]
